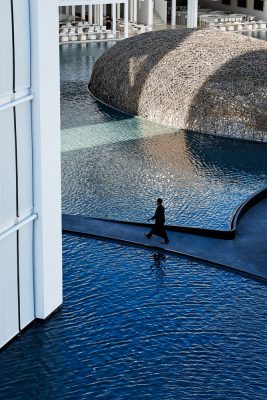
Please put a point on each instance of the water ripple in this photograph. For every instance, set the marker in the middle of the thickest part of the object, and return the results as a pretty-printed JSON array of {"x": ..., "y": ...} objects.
[
  {"x": 114, "y": 166},
  {"x": 138, "y": 325},
  {"x": 131, "y": 327}
]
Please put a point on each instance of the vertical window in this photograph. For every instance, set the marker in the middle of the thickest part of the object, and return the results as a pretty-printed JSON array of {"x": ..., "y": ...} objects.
[
  {"x": 258, "y": 5},
  {"x": 242, "y": 3}
]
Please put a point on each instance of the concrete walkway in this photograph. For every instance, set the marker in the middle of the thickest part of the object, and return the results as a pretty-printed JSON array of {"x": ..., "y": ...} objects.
[{"x": 246, "y": 253}]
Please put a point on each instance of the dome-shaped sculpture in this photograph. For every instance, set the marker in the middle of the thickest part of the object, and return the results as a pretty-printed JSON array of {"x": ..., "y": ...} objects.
[{"x": 201, "y": 80}]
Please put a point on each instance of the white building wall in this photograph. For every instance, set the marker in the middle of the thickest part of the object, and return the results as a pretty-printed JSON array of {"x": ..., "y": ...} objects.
[
  {"x": 145, "y": 12},
  {"x": 9, "y": 321},
  {"x": 6, "y": 68},
  {"x": 30, "y": 247},
  {"x": 142, "y": 12},
  {"x": 22, "y": 45},
  {"x": 9, "y": 316},
  {"x": 161, "y": 9},
  {"x": 46, "y": 156},
  {"x": 249, "y": 10}
]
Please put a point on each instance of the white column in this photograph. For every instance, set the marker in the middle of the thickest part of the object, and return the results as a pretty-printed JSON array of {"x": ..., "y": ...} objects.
[
  {"x": 98, "y": 14},
  {"x": 83, "y": 13},
  {"x": 126, "y": 20},
  {"x": 150, "y": 13},
  {"x": 46, "y": 156},
  {"x": 114, "y": 18},
  {"x": 131, "y": 10},
  {"x": 173, "y": 16},
  {"x": 101, "y": 14},
  {"x": 73, "y": 11},
  {"x": 134, "y": 11},
  {"x": 95, "y": 14},
  {"x": 118, "y": 10},
  {"x": 67, "y": 10},
  {"x": 192, "y": 6},
  {"x": 90, "y": 14}
]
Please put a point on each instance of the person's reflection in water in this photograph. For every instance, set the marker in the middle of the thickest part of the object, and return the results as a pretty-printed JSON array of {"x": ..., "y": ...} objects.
[{"x": 157, "y": 267}]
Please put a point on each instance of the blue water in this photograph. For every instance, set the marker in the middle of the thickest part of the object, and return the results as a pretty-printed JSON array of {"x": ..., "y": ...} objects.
[
  {"x": 262, "y": 35},
  {"x": 115, "y": 166},
  {"x": 140, "y": 325},
  {"x": 137, "y": 324}
]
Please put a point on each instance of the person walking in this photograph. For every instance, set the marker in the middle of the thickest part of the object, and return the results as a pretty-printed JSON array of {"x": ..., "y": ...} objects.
[{"x": 158, "y": 228}]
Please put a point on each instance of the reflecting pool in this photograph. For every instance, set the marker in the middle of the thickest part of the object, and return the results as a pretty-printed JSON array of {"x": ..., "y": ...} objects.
[
  {"x": 262, "y": 35},
  {"x": 136, "y": 324},
  {"x": 115, "y": 166},
  {"x": 142, "y": 325}
]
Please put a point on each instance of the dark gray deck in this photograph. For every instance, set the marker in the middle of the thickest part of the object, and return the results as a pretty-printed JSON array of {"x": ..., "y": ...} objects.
[{"x": 247, "y": 252}]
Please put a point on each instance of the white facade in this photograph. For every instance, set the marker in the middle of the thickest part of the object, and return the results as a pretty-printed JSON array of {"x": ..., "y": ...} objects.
[
  {"x": 161, "y": 9},
  {"x": 233, "y": 7},
  {"x": 145, "y": 13},
  {"x": 30, "y": 209},
  {"x": 192, "y": 5},
  {"x": 97, "y": 9}
]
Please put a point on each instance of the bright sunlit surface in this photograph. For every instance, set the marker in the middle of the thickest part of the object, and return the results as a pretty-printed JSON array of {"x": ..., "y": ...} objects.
[{"x": 115, "y": 166}]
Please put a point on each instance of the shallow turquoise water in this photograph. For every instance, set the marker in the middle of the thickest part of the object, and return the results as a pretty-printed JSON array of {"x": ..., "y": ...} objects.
[{"x": 262, "y": 35}]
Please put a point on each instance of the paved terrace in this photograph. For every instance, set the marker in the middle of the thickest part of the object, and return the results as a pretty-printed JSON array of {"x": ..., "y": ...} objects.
[{"x": 244, "y": 248}]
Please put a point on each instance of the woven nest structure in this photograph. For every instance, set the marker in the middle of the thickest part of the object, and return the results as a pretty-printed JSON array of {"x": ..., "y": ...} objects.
[{"x": 200, "y": 80}]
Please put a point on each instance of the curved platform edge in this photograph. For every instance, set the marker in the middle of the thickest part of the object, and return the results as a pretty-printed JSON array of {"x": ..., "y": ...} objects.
[
  {"x": 246, "y": 206},
  {"x": 214, "y": 233},
  {"x": 165, "y": 250},
  {"x": 247, "y": 253},
  {"x": 227, "y": 234}
]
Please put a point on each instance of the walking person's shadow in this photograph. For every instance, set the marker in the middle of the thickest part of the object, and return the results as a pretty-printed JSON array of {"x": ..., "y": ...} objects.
[{"x": 157, "y": 267}]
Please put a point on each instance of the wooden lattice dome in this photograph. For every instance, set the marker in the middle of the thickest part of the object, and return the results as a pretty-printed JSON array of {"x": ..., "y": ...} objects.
[{"x": 201, "y": 80}]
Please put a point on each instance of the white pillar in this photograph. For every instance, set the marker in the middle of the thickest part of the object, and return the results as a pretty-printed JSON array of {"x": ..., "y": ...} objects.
[
  {"x": 134, "y": 11},
  {"x": 46, "y": 156},
  {"x": 83, "y": 13},
  {"x": 131, "y": 10},
  {"x": 101, "y": 14},
  {"x": 118, "y": 10},
  {"x": 95, "y": 14},
  {"x": 126, "y": 19},
  {"x": 67, "y": 10},
  {"x": 97, "y": 8},
  {"x": 150, "y": 13},
  {"x": 73, "y": 11},
  {"x": 192, "y": 6},
  {"x": 90, "y": 14},
  {"x": 173, "y": 16},
  {"x": 114, "y": 18}
]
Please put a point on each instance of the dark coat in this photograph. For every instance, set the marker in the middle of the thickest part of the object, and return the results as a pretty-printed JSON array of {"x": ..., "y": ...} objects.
[
  {"x": 158, "y": 227},
  {"x": 159, "y": 216}
]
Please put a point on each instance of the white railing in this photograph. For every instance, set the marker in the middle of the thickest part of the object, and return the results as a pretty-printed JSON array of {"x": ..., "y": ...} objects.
[{"x": 15, "y": 102}]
